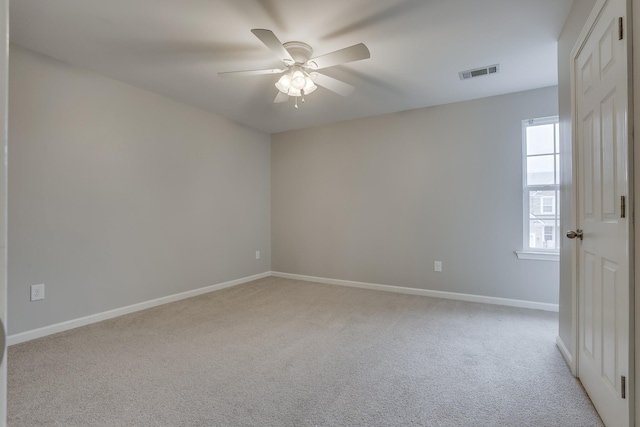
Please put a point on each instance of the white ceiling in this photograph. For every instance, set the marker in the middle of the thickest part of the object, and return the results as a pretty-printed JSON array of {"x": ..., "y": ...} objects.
[{"x": 177, "y": 47}]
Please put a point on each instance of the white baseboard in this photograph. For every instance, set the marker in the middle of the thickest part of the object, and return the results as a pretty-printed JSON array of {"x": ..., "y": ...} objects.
[
  {"x": 75, "y": 323},
  {"x": 565, "y": 352},
  {"x": 424, "y": 292}
]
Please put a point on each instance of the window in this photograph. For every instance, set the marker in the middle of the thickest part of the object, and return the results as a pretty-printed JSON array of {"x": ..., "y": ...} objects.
[
  {"x": 541, "y": 161},
  {"x": 548, "y": 233},
  {"x": 548, "y": 205}
]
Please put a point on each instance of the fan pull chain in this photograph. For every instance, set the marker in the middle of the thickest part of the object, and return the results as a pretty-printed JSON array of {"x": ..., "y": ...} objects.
[
  {"x": 302, "y": 92},
  {"x": 296, "y": 104}
]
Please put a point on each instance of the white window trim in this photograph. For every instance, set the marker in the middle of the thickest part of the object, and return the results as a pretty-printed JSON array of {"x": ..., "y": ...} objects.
[
  {"x": 538, "y": 256},
  {"x": 527, "y": 253}
]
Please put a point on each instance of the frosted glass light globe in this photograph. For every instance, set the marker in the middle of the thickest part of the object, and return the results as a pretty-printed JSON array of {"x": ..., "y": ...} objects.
[
  {"x": 284, "y": 83},
  {"x": 298, "y": 80}
]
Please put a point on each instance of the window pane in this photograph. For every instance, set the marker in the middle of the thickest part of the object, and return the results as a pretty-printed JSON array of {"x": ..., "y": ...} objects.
[
  {"x": 558, "y": 138},
  {"x": 540, "y": 170},
  {"x": 543, "y": 234},
  {"x": 557, "y": 169},
  {"x": 540, "y": 139}
]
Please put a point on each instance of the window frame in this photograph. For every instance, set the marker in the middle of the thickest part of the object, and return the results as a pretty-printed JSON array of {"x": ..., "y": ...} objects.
[{"x": 529, "y": 252}]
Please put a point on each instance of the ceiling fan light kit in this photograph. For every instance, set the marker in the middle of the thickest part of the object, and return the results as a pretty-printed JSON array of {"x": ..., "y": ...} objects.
[
  {"x": 299, "y": 77},
  {"x": 296, "y": 82}
]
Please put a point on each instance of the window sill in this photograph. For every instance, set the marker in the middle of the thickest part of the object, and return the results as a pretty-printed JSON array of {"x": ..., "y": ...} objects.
[{"x": 538, "y": 256}]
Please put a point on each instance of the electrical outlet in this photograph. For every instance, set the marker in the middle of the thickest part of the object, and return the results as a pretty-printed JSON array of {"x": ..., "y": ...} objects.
[
  {"x": 437, "y": 266},
  {"x": 37, "y": 292},
  {"x": 257, "y": 254}
]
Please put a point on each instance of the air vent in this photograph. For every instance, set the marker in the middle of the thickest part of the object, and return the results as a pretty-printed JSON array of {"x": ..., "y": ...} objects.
[{"x": 478, "y": 72}]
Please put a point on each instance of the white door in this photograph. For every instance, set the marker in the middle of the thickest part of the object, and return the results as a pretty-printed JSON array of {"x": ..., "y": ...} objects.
[{"x": 601, "y": 106}]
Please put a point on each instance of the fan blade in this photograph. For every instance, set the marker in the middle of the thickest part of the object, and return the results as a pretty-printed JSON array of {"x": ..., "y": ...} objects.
[
  {"x": 271, "y": 41},
  {"x": 342, "y": 56},
  {"x": 281, "y": 97},
  {"x": 250, "y": 73},
  {"x": 334, "y": 85}
]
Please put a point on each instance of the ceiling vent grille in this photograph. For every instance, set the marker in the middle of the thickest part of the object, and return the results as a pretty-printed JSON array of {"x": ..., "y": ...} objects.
[{"x": 478, "y": 72}]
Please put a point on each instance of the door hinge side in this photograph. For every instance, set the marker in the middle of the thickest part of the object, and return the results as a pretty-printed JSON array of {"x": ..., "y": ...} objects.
[
  {"x": 620, "y": 29},
  {"x": 623, "y": 207},
  {"x": 623, "y": 386}
]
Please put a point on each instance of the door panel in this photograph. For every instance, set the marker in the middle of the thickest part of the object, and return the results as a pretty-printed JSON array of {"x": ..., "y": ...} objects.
[
  {"x": 609, "y": 308},
  {"x": 589, "y": 323},
  {"x": 589, "y": 170},
  {"x": 609, "y": 154}
]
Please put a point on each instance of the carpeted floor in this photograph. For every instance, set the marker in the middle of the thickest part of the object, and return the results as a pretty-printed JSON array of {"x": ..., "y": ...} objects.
[{"x": 279, "y": 352}]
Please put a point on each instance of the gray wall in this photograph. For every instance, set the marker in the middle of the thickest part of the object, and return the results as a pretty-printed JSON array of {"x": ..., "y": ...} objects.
[
  {"x": 118, "y": 195},
  {"x": 379, "y": 199},
  {"x": 573, "y": 26}
]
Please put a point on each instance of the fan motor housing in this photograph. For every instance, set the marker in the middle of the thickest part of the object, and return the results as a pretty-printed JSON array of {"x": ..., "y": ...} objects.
[{"x": 301, "y": 52}]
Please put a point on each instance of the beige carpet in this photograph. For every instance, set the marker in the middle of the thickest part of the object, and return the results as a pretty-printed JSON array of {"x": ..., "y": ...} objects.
[{"x": 278, "y": 352}]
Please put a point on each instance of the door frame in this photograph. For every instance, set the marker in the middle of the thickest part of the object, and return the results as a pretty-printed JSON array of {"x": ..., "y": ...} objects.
[
  {"x": 4, "y": 110},
  {"x": 633, "y": 11},
  {"x": 633, "y": 239}
]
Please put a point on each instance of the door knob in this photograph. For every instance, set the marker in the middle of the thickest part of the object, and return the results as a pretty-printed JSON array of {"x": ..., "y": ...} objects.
[{"x": 573, "y": 234}]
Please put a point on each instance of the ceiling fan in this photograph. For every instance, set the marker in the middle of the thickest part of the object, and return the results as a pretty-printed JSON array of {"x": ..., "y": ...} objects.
[{"x": 299, "y": 76}]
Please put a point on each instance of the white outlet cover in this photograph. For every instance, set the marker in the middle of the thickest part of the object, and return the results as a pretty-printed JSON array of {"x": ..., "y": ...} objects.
[
  {"x": 37, "y": 292},
  {"x": 437, "y": 265},
  {"x": 257, "y": 254}
]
